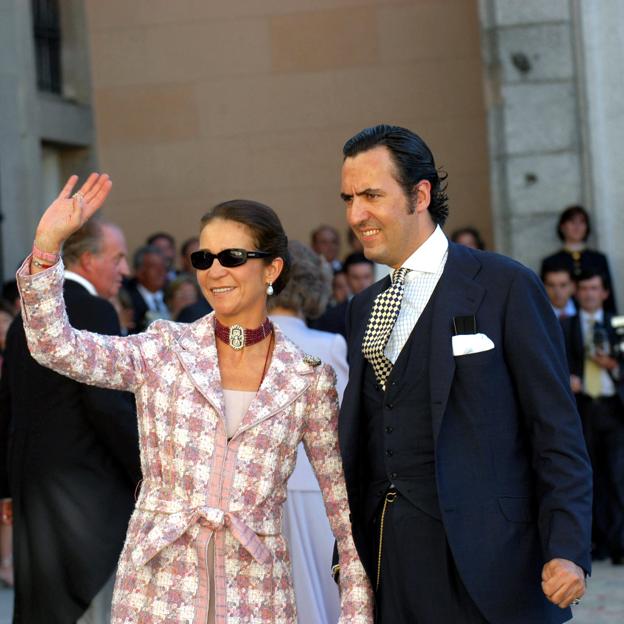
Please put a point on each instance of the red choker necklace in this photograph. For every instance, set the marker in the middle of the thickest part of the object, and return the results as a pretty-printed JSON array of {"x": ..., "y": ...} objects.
[{"x": 238, "y": 337}]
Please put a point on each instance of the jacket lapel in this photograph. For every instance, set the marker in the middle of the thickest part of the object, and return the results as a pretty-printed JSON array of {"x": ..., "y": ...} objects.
[
  {"x": 197, "y": 352},
  {"x": 457, "y": 295},
  {"x": 287, "y": 378}
]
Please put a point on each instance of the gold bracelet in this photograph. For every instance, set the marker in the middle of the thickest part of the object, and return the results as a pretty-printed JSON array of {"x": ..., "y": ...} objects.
[{"x": 335, "y": 571}]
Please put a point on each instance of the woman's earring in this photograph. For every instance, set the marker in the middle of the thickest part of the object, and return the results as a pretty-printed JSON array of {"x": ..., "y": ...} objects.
[{"x": 269, "y": 290}]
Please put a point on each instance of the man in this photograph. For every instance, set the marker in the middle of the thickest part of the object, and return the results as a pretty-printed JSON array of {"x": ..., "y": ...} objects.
[
  {"x": 325, "y": 241},
  {"x": 165, "y": 243},
  {"x": 560, "y": 289},
  {"x": 595, "y": 361},
  {"x": 73, "y": 455},
  {"x": 360, "y": 274},
  {"x": 146, "y": 289},
  {"x": 466, "y": 470}
]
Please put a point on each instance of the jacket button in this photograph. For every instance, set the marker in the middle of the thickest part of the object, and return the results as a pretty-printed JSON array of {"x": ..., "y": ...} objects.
[
  {"x": 389, "y": 429},
  {"x": 394, "y": 475},
  {"x": 389, "y": 453},
  {"x": 389, "y": 405}
]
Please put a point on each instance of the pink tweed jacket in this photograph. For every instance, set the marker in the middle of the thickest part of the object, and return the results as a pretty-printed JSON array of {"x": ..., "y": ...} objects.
[{"x": 195, "y": 480}]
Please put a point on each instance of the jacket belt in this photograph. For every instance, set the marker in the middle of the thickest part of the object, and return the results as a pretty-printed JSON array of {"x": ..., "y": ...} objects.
[{"x": 172, "y": 525}]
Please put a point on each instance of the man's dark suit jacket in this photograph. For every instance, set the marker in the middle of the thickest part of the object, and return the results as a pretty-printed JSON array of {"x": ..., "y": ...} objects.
[
  {"x": 333, "y": 320},
  {"x": 73, "y": 465},
  {"x": 575, "y": 347},
  {"x": 590, "y": 260},
  {"x": 139, "y": 305},
  {"x": 513, "y": 477}
]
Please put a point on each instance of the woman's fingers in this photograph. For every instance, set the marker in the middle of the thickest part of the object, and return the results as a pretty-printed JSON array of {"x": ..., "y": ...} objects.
[
  {"x": 95, "y": 200},
  {"x": 90, "y": 183},
  {"x": 69, "y": 187},
  {"x": 95, "y": 188}
]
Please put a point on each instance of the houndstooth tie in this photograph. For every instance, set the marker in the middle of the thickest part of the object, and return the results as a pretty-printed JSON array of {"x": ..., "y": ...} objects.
[{"x": 380, "y": 323}]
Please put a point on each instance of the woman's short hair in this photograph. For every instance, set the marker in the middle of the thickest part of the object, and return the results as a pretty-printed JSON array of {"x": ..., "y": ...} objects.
[
  {"x": 471, "y": 231},
  {"x": 310, "y": 284},
  {"x": 265, "y": 228},
  {"x": 570, "y": 213},
  {"x": 175, "y": 284}
]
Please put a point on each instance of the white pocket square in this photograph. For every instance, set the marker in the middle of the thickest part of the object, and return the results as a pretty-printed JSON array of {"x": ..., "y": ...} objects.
[{"x": 464, "y": 344}]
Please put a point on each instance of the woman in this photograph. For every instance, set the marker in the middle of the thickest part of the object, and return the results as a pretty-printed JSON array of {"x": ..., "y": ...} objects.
[
  {"x": 573, "y": 229},
  {"x": 6, "y": 529},
  {"x": 469, "y": 237},
  {"x": 222, "y": 405},
  {"x": 180, "y": 293},
  {"x": 305, "y": 522}
]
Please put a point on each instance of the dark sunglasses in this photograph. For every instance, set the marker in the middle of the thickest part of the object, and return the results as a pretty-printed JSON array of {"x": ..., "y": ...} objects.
[{"x": 229, "y": 258}]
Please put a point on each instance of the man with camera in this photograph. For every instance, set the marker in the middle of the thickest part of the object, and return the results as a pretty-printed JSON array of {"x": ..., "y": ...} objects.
[{"x": 596, "y": 376}]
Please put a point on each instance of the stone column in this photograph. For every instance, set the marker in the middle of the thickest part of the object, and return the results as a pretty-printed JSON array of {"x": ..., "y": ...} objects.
[
  {"x": 600, "y": 44},
  {"x": 19, "y": 133},
  {"x": 535, "y": 135}
]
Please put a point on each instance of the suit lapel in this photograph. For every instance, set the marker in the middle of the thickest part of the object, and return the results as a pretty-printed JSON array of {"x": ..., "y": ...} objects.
[
  {"x": 457, "y": 295},
  {"x": 348, "y": 424}
]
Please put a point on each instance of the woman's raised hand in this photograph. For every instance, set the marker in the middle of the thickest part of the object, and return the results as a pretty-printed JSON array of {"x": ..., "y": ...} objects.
[{"x": 69, "y": 212}]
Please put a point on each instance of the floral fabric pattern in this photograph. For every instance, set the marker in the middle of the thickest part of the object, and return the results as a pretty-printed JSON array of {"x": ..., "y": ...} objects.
[{"x": 194, "y": 479}]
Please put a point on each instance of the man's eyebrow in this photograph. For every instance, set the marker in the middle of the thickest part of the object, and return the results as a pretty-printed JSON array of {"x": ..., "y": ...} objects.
[{"x": 366, "y": 191}]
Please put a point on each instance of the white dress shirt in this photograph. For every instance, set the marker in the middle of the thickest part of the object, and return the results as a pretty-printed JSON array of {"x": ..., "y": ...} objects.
[
  {"x": 426, "y": 265},
  {"x": 74, "y": 277},
  {"x": 588, "y": 320},
  {"x": 154, "y": 301},
  {"x": 568, "y": 310}
]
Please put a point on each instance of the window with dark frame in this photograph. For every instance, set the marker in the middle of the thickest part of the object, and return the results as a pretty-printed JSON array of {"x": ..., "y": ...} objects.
[{"x": 47, "y": 32}]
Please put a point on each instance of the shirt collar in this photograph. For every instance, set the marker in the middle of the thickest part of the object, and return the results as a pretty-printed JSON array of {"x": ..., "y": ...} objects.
[
  {"x": 428, "y": 257},
  {"x": 148, "y": 295},
  {"x": 83, "y": 281},
  {"x": 597, "y": 316}
]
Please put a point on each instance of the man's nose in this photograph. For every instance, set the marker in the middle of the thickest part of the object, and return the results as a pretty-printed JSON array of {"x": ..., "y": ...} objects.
[
  {"x": 124, "y": 269},
  {"x": 357, "y": 212}
]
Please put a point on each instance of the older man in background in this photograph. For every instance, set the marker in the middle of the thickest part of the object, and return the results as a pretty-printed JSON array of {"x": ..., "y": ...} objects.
[{"x": 73, "y": 458}]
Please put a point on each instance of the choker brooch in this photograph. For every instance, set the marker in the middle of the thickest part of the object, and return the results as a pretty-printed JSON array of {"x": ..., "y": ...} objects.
[{"x": 238, "y": 337}]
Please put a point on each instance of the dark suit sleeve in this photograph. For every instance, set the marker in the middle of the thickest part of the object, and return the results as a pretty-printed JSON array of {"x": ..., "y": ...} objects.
[
  {"x": 5, "y": 417},
  {"x": 535, "y": 355},
  {"x": 111, "y": 412}
]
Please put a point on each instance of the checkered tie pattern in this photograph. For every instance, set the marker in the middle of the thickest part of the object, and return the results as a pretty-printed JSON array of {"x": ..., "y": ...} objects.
[{"x": 382, "y": 318}]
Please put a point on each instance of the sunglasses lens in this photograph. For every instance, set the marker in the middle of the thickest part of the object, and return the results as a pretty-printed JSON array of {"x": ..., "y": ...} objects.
[
  {"x": 202, "y": 260},
  {"x": 232, "y": 257}
]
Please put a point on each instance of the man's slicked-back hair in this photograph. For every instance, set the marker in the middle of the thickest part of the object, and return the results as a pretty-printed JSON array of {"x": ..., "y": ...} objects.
[{"x": 413, "y": 161}]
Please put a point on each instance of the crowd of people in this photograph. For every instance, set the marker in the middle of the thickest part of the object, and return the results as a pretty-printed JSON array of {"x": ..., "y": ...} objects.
[{"x": 111, "y": 414}]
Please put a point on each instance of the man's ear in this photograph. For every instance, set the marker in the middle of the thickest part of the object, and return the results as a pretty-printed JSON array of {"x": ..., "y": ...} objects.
[
  {"x": 421, "y": 195},
  {"x": 85, "y": 262}
]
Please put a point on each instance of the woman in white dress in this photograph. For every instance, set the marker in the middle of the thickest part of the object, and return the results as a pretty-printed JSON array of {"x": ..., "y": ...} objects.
[{"x": 305, "y": 521}]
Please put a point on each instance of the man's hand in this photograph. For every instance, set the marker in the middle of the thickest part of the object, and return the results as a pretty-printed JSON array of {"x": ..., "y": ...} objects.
[
  {"x": 562, "y": 582},
  {"x": 6, "y": 511},
  {"x": 576, "y": 384},
  {"x": 605, "y": 361}
]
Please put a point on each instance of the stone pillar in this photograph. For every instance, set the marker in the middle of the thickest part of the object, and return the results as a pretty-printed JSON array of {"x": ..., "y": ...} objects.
[
  {"x": 30, "y": 119},
  {"x": 600, "y": 44},
  {"x": 19, "y": 133},
  {"x": 535, "y": 135}
]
